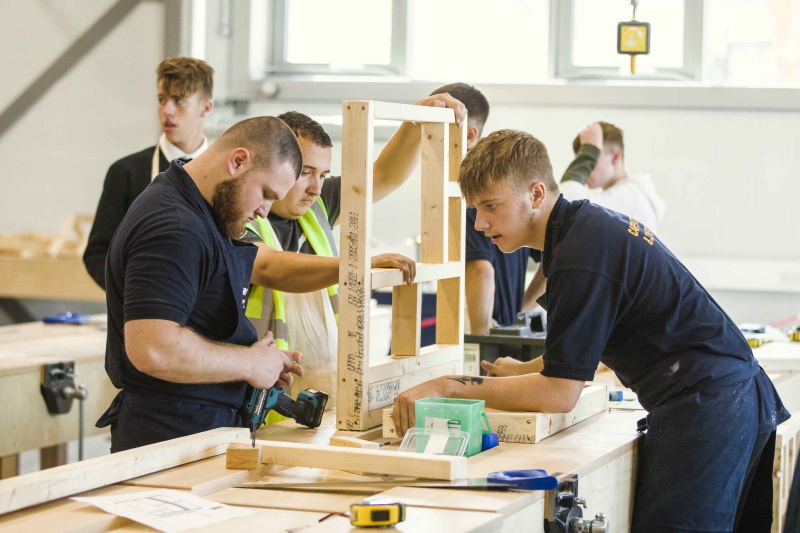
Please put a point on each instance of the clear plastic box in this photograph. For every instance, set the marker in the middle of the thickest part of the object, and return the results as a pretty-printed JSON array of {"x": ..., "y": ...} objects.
[{"x": 435, "y": 441}]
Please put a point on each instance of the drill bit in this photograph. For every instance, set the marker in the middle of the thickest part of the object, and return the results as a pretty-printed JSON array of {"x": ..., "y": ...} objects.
[{"x": 253, "y": 434}]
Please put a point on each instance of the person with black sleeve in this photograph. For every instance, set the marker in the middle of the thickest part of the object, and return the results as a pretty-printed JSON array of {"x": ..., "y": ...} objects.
[
  {"x": 615, "y": 294},
  {"x": 179, "y": 345},
  {"x": 185, "y": 91}
]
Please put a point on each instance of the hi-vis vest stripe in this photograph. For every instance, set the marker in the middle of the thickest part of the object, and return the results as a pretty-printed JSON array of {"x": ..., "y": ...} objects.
[{"x": 260, "y": 306}]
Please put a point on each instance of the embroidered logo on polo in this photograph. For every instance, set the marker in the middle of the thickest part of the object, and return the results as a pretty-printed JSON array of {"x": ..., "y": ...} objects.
[
  {"x": 634, "y": 228},
  {"x": 244, "y": 300}
]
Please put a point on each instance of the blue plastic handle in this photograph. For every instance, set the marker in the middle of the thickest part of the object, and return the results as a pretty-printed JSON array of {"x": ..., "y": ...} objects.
[
  {"x": 67, "y": 318},
  {"x": 524, "y": 479}
]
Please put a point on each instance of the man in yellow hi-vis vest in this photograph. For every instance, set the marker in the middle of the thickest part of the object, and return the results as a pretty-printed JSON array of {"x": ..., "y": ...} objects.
[{"x": 303, "y": 313}]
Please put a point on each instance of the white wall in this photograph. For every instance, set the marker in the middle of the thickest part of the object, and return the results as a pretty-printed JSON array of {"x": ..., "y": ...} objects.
[
  {"x": 55, "y": 157},
  {"x": 729, "y": 177}
]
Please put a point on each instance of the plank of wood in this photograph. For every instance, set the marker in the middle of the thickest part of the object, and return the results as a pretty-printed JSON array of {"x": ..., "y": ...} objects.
[
  {"x": 242, "y": 455},
  {"x": 429, "y": 356},
  {"x": 28, "y": 425},
  {"x": 49, "y": 279},
  {"x": 391, "y": 277},
  {"x": 406, "y": 319},
  {"x": 530, "y": 428},
  {"x": 435, "y": 202},
  {"x": 507, "y": 503},
  {"x": 424, "y": 520},
  {"x": 53, "y": 456},
  {"x": 383, "y": 393},
  {"x": 353, "y": 442},
  {"x": 371, "y": 461},
  {"x": 355, "y": 267},
  {"x": 28, "y": 355},
  {"x": 9, "y": 466},
  {"x": 262, "y": 520},
  {"x": 411, "y": 113},
  {"x": 68, "y": 516},
  {"x": 38, "y": 487},
  {"x": 291, "y": 500},
  {"x": 199, "y": 477},
  {"x": 449, "y": 311},
  {"x": 787, "y": 446}
]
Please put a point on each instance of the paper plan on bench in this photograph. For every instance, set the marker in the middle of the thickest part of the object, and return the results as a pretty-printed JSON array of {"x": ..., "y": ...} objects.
[{"x": 170, "y": 511}]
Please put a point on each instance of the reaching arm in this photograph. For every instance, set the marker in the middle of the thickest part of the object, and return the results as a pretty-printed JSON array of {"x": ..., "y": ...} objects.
[
  {"x": 168, "y": 351},
  {"x": 402, "y": 153},
  {"x": 296, "y": 272},
  {"x": 531, "y": 392},
  {"x": 479, "y": 283},
  {"x": 535, "y": 289}
]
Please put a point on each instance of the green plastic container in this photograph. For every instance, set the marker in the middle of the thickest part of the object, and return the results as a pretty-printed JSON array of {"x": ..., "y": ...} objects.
[{"x": 456, "y": 415}]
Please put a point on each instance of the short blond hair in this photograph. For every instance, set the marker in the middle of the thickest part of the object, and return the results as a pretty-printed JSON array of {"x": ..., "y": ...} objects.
[
  {"x": 185, "y": 76},
  {"x": 513, "y": 155}
]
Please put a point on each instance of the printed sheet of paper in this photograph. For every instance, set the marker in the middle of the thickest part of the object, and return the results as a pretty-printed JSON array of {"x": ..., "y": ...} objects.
[{"x": 170, "y": 511}]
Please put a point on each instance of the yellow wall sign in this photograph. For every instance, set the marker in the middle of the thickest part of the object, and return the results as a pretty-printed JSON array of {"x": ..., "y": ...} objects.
[{"x": 633, "y": 37}]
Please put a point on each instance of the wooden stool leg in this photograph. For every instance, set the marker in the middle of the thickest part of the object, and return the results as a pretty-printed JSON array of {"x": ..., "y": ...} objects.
[
  {"x": 53, "y": 456},
  {"x": 9, "y": 466}
]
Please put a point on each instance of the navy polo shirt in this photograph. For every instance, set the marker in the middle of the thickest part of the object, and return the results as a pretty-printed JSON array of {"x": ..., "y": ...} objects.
[
  {"x": 616, "y": 294},
  {"x": 509, "y": 270},
  {"x": 167, "y": 261}
]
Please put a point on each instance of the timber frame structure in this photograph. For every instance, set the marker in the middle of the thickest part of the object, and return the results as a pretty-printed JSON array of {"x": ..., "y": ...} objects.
[{"x": 364, "y": 389}]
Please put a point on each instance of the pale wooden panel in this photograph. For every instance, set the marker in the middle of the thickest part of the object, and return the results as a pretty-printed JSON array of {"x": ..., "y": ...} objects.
[
  {"x": 435, "y": 203},
  {"x": 406, "y": 318},
  {"x": 9, "y": 466},
  {"x": 49, "y": 279},
  {"x": 200, "y": 477},
  {"x": 353, "y": 442},
  {"x": 391, "y": 277},
  {"x": 27, "y": 425},
  {"x": 411, "y": 113},
  {"x": 291, "y": 500},
  {"x": 38, "y": 487},
  {"x": 457, "y": 148},
  {"x": 371, "y": 461},
  {"x": 354, "y": 268},
  {"x": 424, "y": 520},
  {"x": 449, "y": 311},
  {"x": 530, "y": 428},
  {"x": 83, "y": 344},
  {"x": 506, "y": 503},
  {"x": 68, "y": 516},
  {"x": 610, "y": 490},
  {"x": 430, "y": 356},
  {"x": 383, "y": 393},
  {"x": 787, "y": 446},
  {"x": 55, "y": 455},
  {"x": 261, "y": 521}
]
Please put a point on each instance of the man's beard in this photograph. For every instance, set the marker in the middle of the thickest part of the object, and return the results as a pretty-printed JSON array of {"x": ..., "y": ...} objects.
[{"x": 229, "y": 213}]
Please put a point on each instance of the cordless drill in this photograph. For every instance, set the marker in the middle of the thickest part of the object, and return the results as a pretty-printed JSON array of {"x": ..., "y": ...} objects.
[{"x": 306, "y": 410}]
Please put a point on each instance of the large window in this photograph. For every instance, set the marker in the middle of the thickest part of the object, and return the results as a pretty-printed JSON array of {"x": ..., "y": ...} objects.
[
  {"x": 346, "y": 36},
  {"x": 721, "y": 42},
  {"x": 586, "y": 44},
  {"x": 752, "y": 42}
]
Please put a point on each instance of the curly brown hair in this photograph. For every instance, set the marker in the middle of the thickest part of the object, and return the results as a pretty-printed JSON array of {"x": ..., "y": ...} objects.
[
  {"x": 511, "y": 155},
  {"x": 185, "y": 76},
  {"x": 305, "y": 126}
]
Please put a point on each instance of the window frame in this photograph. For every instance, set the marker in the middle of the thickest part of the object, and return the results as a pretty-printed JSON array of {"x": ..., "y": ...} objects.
[
  {"x": 561, "y": 39},
  {"x": 279, "y": 47}
]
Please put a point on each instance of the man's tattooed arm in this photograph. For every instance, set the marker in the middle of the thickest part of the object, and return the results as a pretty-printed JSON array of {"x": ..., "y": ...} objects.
[{"x": 465, "y": 380}]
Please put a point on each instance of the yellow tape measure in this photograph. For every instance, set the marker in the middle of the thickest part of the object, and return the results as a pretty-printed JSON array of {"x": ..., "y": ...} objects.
[
  {"x": 377, "y": 513},
  {"x": 794, "y": 335}
]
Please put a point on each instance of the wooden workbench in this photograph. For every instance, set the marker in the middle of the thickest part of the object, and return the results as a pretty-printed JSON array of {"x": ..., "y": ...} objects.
[
  {"x": 48, "y": 278},
  {"x": 601, "y": 450},
  {"x": 24, "y": 419}
]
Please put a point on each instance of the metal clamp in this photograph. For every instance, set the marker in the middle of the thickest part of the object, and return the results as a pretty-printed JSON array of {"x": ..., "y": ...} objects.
[
  {"x": 58, "y": 390},
  {"x": 564, "y": 514}
]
